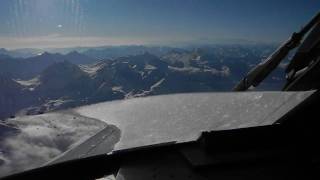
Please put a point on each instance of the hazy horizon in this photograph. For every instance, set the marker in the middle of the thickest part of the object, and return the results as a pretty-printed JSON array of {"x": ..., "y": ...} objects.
[{"x": 173, "y": 45}]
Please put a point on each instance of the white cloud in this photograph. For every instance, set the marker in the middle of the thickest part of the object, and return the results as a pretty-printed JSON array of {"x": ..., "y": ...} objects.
[{"x": 42, "y": 138}]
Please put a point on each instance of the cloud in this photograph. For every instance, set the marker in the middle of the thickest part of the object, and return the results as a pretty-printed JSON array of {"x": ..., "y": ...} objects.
[{"x": 43, "y": 137}]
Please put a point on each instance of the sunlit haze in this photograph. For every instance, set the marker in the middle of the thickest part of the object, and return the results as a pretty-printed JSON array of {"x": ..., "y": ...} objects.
[{"x": 65, "y": 23}]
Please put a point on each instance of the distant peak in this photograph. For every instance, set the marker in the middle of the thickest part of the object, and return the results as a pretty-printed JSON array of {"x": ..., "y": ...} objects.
[
  {"x": 3, "y": 50},
  {"x": 147, "y": 54},
  {"x": 45, "y": 54},
  {"x": 74, "y": 53}
]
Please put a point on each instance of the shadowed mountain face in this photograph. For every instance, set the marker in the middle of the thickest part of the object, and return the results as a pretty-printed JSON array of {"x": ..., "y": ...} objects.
[
  {"x": 20, "y": 68},
  {"x": 9, "y": 96},
  {"x": 54, "y": 81},
  {"x": 64, "y": 78}
]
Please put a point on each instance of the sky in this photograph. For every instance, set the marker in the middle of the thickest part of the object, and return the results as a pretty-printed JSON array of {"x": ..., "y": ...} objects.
[{"x": 67, "y": 23}]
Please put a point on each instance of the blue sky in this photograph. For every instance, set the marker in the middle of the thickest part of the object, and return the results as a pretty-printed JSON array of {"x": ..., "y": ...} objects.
[{"x": 63, "y": 23}]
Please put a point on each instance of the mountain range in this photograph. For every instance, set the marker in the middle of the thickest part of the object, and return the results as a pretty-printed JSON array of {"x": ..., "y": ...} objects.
[{"x": 51, "y": 81}]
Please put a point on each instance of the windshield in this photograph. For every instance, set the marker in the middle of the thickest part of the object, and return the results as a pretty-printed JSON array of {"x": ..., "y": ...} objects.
[{"x": 56, "y": 55}]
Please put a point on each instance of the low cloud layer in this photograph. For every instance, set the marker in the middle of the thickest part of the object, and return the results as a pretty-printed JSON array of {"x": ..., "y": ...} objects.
[{"x": 41, "y": 138}]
